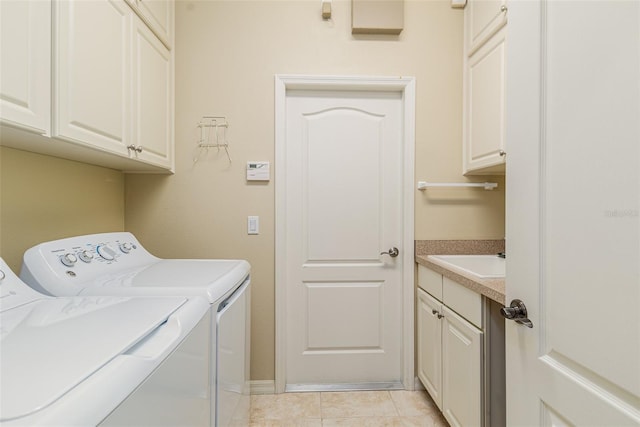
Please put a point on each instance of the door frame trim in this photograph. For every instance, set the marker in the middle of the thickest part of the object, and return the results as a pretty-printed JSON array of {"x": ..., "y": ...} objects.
[{"x": 406, "y": 86}]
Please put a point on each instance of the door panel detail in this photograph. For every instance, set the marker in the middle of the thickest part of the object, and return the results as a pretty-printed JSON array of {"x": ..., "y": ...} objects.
[
  {"x": 332, "y": 194},
  {"x": 355, "y": 316}
]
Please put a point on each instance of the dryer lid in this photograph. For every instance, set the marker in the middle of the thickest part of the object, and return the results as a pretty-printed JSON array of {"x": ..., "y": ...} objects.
[
  {"x": 211, "y": 279},
  {"x": 49, "y": 346}
]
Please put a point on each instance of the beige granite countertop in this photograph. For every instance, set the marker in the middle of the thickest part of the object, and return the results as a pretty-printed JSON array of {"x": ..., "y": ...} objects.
[{"x": 493, "y": 289}]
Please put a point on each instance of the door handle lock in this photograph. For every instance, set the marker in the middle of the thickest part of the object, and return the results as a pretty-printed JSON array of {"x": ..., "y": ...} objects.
[
  {"x": 517, "y": 311},
  {"x": 393, "y": 252}
]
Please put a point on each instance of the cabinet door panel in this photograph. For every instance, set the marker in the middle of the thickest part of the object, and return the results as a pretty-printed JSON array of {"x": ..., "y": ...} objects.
[
  {"x": 159, "y": 16},
  {"x": 482, "y": 19},
  {"x": 484, "y": 128},
  {"x": 153, "y": 109},
  {"x": 461, "y": 371},
  {"x": 92, "y": 73},
  {"x": 25, "y": 64},
  {"x": 430, "y": 345}
]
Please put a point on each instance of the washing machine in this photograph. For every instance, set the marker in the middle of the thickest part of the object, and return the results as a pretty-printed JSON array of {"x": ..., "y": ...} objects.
[
  {"x": 116, "y": 264},
  {"x": 87, "y": 361}
]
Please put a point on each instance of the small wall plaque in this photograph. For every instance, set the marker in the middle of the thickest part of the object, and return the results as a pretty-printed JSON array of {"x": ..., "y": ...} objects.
[{"x": 377, "y": 16}]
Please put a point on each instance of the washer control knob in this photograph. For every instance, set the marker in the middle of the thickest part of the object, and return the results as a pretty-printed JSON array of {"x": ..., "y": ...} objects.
[
  {"x": 68, "y": 259},
  {"x": 85, "y": 256},
  {"x": 126, "y": 247},
  {"x": 106, "y": 252}
]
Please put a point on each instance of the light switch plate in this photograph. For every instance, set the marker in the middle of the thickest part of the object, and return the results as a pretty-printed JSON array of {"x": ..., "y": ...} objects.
[{"x": 253, "y": 225}]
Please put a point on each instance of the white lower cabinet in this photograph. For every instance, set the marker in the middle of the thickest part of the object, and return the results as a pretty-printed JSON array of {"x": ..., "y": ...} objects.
[
  {"x": 430, "y": 345},
  {"x": 460, "y": 346},
  {"x": 461, "y": 370},
  {"x": 450, "y": 361}
]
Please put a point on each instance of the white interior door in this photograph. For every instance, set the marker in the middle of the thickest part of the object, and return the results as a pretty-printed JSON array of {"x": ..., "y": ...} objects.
[
  {"x": 573, "y": 221},
  {"x": 344, "y": 206}
]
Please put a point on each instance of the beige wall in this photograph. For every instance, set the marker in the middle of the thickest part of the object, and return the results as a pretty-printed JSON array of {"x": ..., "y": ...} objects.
[
  {"x": 44, "y": 198},
  {"x": 227, "y": 53}
]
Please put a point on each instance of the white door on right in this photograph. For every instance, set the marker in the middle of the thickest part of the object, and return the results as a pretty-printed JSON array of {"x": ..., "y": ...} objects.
[{"x": 573, "y": 212}]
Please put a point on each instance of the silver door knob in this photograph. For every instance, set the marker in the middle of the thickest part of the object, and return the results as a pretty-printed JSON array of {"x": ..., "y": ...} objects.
[
  {"x": 393, "y": 252},
  {"x": 517, "y": 311}
]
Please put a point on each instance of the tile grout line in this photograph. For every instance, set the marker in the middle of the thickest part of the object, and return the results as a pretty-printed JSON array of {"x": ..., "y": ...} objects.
[{"x": 394, "y": 403}]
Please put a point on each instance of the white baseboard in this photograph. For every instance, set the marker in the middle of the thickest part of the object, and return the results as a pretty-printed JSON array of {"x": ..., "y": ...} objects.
[
  {"x": 269, "y": 386},
  {"x": 263, "y": 387}
]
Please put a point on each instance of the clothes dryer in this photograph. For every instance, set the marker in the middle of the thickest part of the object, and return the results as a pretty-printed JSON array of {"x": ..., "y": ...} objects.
[
  {"x": 116, "y": 264},
  {"x": 86, "y": 361}
]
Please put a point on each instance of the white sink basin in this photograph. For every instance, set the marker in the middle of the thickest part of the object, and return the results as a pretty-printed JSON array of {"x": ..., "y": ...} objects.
[{"x": 483, "y": 266}]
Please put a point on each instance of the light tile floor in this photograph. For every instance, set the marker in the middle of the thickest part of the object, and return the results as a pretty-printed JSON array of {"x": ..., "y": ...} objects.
[{"x": 356, "y": 408}]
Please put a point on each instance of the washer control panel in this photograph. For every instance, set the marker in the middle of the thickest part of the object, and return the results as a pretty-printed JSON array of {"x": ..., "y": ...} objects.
[
  {"x": 90, "y": 252},
  {"x": 81, "y": 259}
]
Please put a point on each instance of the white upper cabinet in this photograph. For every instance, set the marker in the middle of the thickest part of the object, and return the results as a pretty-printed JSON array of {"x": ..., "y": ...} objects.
[
  {"x": 25, "y": 64},
  {"x": 153, "y": 95},
  {"x": 158, "y": 15},
  {"x": 484, "y": 80},
  {"x": 92, "y": 73},
  {"x": 484, "y": 108},
  {"x": 483, "y": 18}
]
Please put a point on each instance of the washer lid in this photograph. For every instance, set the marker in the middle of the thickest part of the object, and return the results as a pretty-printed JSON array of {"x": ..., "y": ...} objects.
[
  {"x": 49, "y": 346},
  {"x": 208, "y": 278}
]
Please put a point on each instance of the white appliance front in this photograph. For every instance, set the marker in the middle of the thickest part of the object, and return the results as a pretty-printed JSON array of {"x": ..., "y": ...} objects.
[
  {"x": 84, "y": 360},
  {"x": 116, "y": 264},
  {"x": 232, "y": 359}
]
